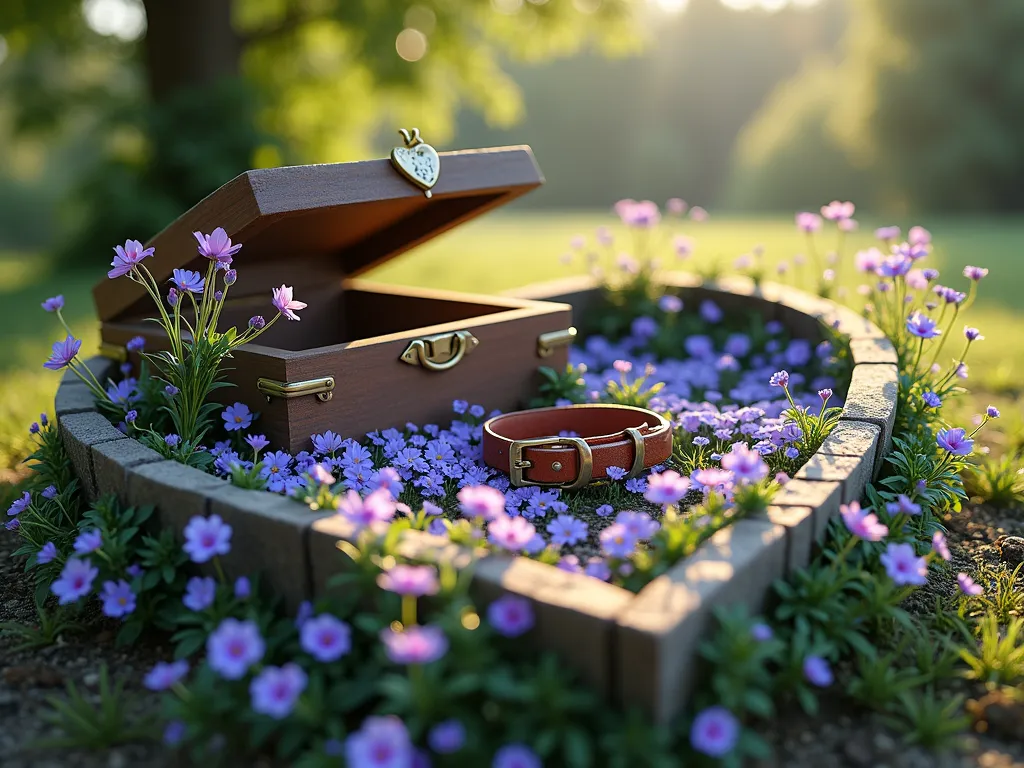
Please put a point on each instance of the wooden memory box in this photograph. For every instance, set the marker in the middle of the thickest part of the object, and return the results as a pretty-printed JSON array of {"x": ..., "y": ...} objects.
[{"x": 363, "y": 356}]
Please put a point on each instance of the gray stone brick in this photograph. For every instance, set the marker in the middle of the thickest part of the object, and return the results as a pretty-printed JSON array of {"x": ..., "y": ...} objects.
[
  {"x": 575, "y": 614},
  {"x": 269, "y": 533},
  {"x": 872, "y": 399},
  {"x": 112, "y": 460},
  {"x": 799, "y": 525},
  {"x": 873, "y": 351},
  {"x": 824, "y": 497},
  {"x": 79, "y": 432},
  {"x": 324, "y": 557},
  {"x": 853, "y": 472},
  {"x": 178, "y": 492},
  {"x": 658, "y": 634},
  {"x": 853, "y": 438},
  {"x": 72, "y": 398}
]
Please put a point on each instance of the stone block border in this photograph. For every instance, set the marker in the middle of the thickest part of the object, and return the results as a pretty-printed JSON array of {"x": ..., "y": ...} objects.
[{"x": 634, "y": 649}]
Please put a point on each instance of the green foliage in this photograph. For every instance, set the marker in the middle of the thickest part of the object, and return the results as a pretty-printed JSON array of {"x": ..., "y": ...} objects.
[
  {"x": 52, "y": 625},
  {"x": 84, "y": 726},
  {"x": 559, "y": 386},
  {"x": 933, "y": 720},
  {"x": 999, "y": 657},
  {"x": 1003, "y": 596},
  {"x": 999, "y": 482}
]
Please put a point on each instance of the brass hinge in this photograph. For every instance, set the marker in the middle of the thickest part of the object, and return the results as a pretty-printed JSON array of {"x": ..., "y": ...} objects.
[
  {"x": 322, "y": 388},
  {"x": 441, "y": 351},
  {"x": 548, "y": 342}
]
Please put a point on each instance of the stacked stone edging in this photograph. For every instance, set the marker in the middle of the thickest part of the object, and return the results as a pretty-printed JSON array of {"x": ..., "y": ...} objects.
[{"x": 636, "y": 649}]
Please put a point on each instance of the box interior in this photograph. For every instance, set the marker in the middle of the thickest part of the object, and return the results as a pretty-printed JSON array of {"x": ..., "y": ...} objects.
[{"x": 337, "y": 316}]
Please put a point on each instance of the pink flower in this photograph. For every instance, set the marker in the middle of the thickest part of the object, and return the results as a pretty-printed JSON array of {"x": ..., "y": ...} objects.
[
  {"x": 837, "y": 211},
  {"x": 481, "y": 501},
  {"x": 217, "y": 246},
  {"x": 285, "y": 303},
  {"x": 808, "y": 222},
  {"x": 862, "y": 523},
  {"x": 511, "y": 533},
  {"x": 940, "y": 547},
  {"x": 377, "y": 508},
  {"x": 413, "y": 580},
  {"x": 967, "y": 585},
  {"x": 126, "y": 257},
  {"x": 904, "y": 566}
]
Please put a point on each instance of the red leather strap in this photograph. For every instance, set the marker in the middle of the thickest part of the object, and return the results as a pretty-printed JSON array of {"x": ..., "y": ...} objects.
[{"x": 610, "y": 431}]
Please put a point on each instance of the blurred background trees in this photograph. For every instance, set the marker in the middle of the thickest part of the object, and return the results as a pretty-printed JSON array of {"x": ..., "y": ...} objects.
[{"x": 117, "y": 115}]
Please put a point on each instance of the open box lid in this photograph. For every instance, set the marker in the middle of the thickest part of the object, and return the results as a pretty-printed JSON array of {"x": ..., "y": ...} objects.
[{"x": 311, "y": 225}]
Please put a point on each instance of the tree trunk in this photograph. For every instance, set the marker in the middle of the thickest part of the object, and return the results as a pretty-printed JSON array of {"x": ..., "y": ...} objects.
[{"x": 189, "y": 43}]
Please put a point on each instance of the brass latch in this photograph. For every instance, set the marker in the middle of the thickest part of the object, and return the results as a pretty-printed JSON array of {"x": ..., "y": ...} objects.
[
  {"x": 441, "y": 351},
  {"x": 547, "y": 342},
  {"x": 322, "y": 388}
]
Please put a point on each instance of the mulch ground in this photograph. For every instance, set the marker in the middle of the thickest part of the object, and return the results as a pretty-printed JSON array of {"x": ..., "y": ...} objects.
[{"x": 839, "y": 736}]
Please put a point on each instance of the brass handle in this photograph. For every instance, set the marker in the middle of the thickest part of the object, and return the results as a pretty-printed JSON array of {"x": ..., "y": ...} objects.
[
  {"x": 547, "y": 342},
  {"x": 322, "y": 388},
  {"x": 441, "y": 351}
]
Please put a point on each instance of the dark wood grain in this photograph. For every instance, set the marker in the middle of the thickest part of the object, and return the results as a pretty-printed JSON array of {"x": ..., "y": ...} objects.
[{"x": 302, "y": 225}]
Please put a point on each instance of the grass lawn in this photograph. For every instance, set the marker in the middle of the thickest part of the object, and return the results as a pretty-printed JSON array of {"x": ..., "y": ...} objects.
[{"x": 505, "y": 250}]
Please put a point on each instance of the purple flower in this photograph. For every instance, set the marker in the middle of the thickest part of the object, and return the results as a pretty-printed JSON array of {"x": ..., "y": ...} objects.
[
  {"x": 904, "y": 566},
  {"x": 972, "y": 334},
  {"x": 53, "y": 304},
  {"x": 887, "y": 233},
  {"x": 967, "y": 585},
  {"x": 447, "y": 737},
  {"x": 940, "y": 547},
  {"x": 206, "y": 537},
  {"x": 761, "y": 632},
  {"x": 566, "y": 529},
  {"x": 325, "y": 638},
  {"x": 230, "y": 277},
  {"x": 615, "y": 473},
  {"x": 117, "y": 598},
  {"x": 33, "y": 428},
  {"x": 931, "y": 400},
  {"x": 837, "y": 211},
  {"x": 955, "y": 441},
  {"x": 779, "y": 379},
  {"x": 243, "y": 588},
  {"x": 237, "y": 417},
  {"x": 131, "y": 416},
  {"x": 163, "y": 675},
  {"x": 63, "y": 353},
  {"x": 410, "y": 580},
  {"x": 285, "y": 302},
  {"x": 174, "y": 733},
  {"x": 275, "y": 690},
  {"x": 75, "y": 581},
  {"x": 808, "y": 222},
  {"x": 200, "y": 592},
  {"x": 13, "y": 524},
  {"x": 745, "y": 464},
  {"x": 825, "y": 394},
  {"x": 975, "y": 273},
  {"x": 189, "y": 281},
  {"x": 711, "y": 312},
  {"x": 903, "y": 505},
  {"x": 511, "y": 616},
  {"x": 569, "y": 564},
  {"x": 377, "y": 508},
  {"x": 616, "y": 541},
  {"x": 670, "y": 304},
  {"x": 47, "y": 553},
  {"x": 217, "y": 246},
  {"x": 665, "y": 488},
  {"x": 257, "y": 442},
  {"x": 597, "y": 568},
  {"x": 49, "y": 492},
  {"x": 381, "y": 742},
  {"x": 638, "y": 525},
  {"x": 172, "y": 440},
  {"x": 862, "y": 523},
  {"x": 949, "y": 295},
  {"x": 415, "y": 644},
  {"x": 714, "y": 731},
  {"x": 604, "y": 510},
  {"x": 88, "y": 541},
  {"x": 511, "y": 533},
  {"x": 922, "y": 326},
  {"x": 481, "y": 501},
  {"x": 992, "y": 412},
  {"x": 516, "y": 756},
  {"x": 328, "y": 442},
  {"x": 643, "y": 214},
  {"x": 126, "y": 257},
  {"x": 234, "y": 647},
  {"x": 320, "y": 474},
  {"x": 257, "y": 322},
  {"x": 817, "y": 671},
  {"x": 20, "y": 504},
  {"x": 171, "y": 390}
]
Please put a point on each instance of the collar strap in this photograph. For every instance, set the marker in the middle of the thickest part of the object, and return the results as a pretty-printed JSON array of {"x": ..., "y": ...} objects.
[{"x": 570, "y": 446}]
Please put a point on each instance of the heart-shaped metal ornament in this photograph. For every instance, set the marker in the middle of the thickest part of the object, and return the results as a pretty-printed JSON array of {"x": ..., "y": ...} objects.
[{"x": 416, "y": 161}]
